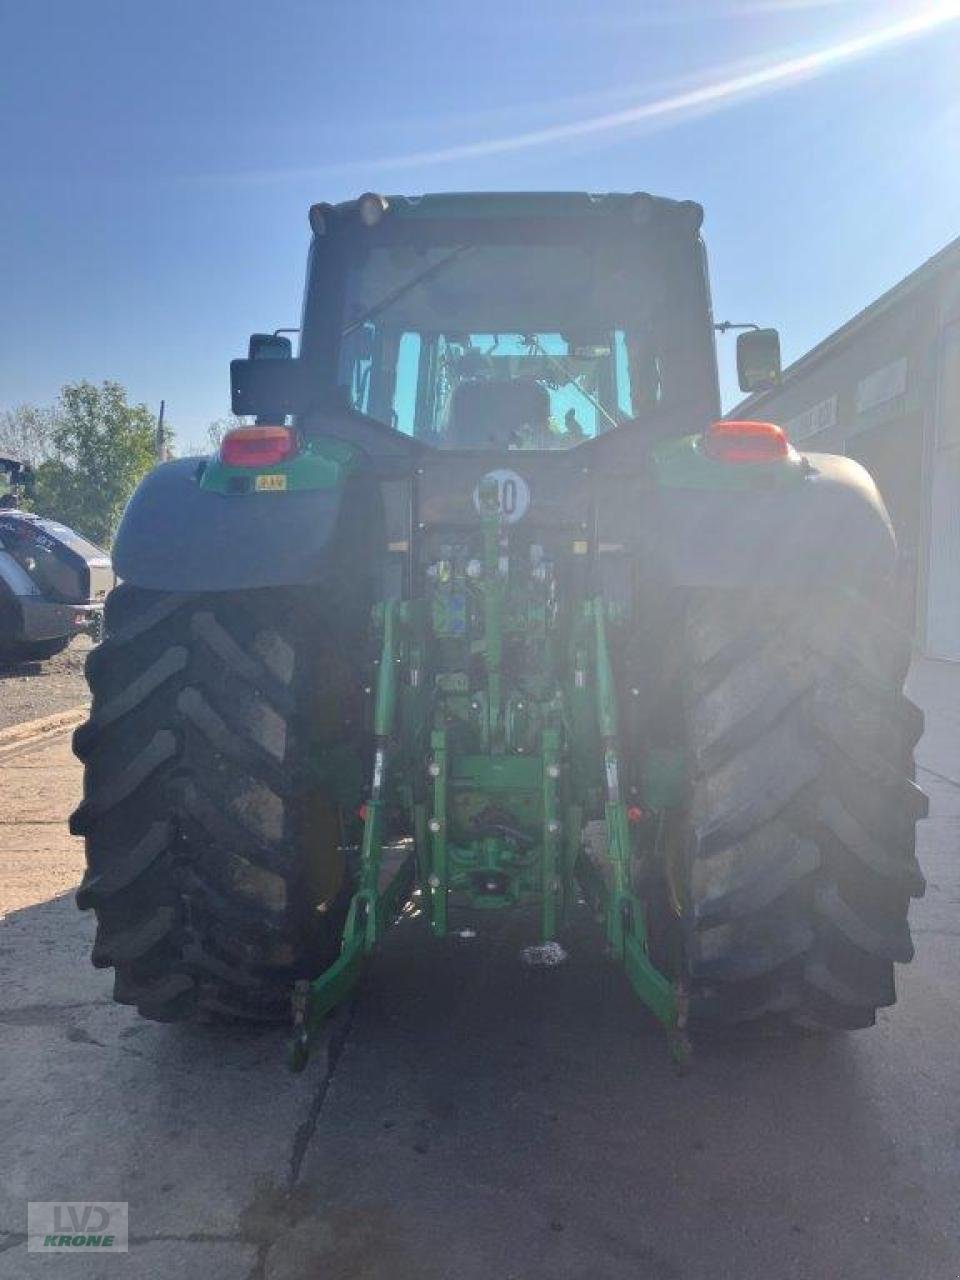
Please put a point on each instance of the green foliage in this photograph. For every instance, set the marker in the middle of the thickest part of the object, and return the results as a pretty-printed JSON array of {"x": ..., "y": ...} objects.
[
  {"x": 26, "y": 433},
  {"x": 100, "y": 450}
]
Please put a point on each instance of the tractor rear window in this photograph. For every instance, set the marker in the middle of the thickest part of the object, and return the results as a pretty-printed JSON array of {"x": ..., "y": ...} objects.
[{"x": 500, "y": 345}]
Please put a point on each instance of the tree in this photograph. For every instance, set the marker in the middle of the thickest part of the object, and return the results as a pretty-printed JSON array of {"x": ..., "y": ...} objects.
[
  {"x": 26, "y": 433},
  {"x": 101, "y": 447}
]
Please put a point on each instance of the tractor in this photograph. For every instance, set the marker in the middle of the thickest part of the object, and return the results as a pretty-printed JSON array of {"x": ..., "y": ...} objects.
[
  {"x": 485, "y": 608},
  {"x": 53, "y": 581}
]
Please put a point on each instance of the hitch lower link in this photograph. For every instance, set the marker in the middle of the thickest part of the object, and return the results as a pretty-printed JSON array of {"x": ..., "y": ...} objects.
[{"x": 388, "y": 873}]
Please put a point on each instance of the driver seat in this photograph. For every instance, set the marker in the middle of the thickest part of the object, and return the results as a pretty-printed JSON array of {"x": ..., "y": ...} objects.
[{"x": 485, "y": 414}]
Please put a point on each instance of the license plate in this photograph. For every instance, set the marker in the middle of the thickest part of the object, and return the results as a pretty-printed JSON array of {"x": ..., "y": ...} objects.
[{"x": 270, "y": 483}]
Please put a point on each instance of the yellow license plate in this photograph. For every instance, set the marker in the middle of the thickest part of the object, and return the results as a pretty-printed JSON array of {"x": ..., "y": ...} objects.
[{"x": 271, "y": 483}]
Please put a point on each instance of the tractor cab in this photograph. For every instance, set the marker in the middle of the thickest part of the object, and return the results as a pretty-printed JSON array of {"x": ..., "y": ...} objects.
[
  {"x": 515, "y": 322},
  {"x": 14, "y": 477}
]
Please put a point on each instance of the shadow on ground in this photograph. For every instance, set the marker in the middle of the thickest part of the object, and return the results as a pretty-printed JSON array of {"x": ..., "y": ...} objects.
[
  {"x": 489, "y": 1120},
  {"x": 22, "y": 667},
  {"x": 486, "y": 1121}
]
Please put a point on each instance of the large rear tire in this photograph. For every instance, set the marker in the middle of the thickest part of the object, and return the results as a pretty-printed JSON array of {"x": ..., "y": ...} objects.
[
  {"x": 214, "y": 850},
  {"x": 797, "y": 864}
]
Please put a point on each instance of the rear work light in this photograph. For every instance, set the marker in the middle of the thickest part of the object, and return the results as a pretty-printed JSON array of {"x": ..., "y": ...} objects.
[
  {"x": 257, "y": 446},
  {"x": 371, "y": 208},
  {"x": 745, "y": 442}
]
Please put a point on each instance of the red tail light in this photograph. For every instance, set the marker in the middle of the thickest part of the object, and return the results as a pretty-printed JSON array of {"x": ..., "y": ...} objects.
[
  {"x": 745, "y": 442},
  {"x": 257, "y": 446}
]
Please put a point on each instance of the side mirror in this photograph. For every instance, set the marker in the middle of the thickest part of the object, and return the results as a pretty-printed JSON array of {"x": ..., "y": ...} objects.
[
  {"x": 267, "y": 388},
  {"x": 758, "y": 359},
  {"x": 269, "y": 346}
]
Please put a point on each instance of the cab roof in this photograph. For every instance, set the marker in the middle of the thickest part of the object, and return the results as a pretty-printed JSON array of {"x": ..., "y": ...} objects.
[{"x": 638, "y": 206}]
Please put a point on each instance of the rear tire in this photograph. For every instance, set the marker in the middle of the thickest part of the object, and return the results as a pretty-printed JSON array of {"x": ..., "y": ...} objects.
[
  {"x": 214, "y": 850},
  {"x": 797, "y": 864}
]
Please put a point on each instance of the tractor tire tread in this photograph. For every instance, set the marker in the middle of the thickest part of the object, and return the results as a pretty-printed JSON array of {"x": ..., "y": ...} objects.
[
  {"x": 800, "y": 852},
  {"x": 197, "y": 801}
]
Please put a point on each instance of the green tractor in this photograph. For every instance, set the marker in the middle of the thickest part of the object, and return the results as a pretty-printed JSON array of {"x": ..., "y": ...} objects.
[{"x": 487, "y": 610}]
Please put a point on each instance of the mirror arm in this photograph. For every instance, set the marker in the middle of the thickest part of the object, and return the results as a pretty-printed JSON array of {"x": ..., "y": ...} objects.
[{"x": 724, "y": 326}]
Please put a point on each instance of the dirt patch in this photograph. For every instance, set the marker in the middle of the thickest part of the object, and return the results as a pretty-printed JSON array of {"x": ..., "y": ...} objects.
[{"x": 29, "y": 690}]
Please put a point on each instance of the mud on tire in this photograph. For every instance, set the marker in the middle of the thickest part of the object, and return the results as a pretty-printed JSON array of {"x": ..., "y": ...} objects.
[
  {"x": 213, "y": 842},
  {"x": 798, "y": 861}
]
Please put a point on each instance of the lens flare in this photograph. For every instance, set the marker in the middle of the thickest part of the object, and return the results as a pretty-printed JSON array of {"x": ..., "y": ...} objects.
[
  {"x": 707, "y": 98},
  {"x": 711, "y": 96}
]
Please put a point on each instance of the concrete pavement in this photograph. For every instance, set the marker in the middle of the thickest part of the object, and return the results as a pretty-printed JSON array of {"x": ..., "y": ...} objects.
[{"x": 472, "y": 1117}]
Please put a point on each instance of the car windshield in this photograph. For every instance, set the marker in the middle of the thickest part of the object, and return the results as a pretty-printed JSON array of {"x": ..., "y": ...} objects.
[{"x": 499, "y": 345}]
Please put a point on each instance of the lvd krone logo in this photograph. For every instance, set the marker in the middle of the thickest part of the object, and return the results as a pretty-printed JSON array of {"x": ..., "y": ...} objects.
[{"x": 77, "y": 1225}]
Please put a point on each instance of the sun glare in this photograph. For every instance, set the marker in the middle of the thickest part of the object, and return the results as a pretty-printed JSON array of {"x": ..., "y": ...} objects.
[{"x": 712, "y": 96}]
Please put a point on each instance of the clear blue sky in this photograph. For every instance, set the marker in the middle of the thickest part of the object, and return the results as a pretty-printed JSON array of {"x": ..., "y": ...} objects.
[{"x": 158, "y": 159}]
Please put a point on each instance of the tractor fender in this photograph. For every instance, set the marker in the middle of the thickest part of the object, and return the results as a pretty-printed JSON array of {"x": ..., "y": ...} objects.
[
  {"x": 830, "y": 528},
  {"x": 176, "y": 535}
]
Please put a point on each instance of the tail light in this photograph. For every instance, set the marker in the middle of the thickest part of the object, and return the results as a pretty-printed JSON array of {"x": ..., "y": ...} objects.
[
  {"x": 745, "y": 442},
  {"x": 258, "y": 446}
]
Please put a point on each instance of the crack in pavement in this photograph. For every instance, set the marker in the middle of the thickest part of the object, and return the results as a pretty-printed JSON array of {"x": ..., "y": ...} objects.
[
  {"x": 305, "y": 1131},
  {"x": 192, "y": 1237},
  {"x": 259, "y": 1269},
  {"x": 250, "y": 1233},
  {"x": 15, "y": 1239}
]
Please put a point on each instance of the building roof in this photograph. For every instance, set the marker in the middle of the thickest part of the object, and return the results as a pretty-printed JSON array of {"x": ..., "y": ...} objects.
[{"x": 927, "y": 272}]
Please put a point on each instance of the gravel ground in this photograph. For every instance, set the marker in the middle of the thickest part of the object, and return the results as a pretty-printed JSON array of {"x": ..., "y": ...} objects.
[{"x": 29, "y": 690}]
